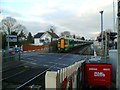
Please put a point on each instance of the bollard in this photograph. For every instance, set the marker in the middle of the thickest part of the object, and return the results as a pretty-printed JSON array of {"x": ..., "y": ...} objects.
[{"x": 19, "y": 55}]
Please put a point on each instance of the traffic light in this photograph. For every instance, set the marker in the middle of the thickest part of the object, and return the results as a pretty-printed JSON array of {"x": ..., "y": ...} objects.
[
  {"x": 99, "y": 39},
  {"x": 113, "y": 36}
]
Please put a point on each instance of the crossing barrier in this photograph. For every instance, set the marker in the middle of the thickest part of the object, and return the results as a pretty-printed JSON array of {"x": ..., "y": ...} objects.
[{"x": 65, "y": 78}]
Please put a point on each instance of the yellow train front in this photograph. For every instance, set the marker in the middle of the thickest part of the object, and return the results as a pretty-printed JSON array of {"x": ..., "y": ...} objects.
[{"x": 65, "y": 44}]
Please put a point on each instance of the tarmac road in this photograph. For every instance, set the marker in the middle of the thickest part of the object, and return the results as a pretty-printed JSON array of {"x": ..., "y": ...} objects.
[{"x": 34, "y": 63}]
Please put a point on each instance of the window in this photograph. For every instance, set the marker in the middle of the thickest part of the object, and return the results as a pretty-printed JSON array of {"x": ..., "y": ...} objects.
[
  {"x": 42, "y": 40},
  {"x": 66, "y": 41}
]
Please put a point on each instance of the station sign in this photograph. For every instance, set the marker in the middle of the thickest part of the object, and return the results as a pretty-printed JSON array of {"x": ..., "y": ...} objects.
[{"x": 11, "y": 38}]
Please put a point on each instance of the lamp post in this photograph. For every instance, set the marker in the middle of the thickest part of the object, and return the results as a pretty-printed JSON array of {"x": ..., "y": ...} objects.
[
  {"x": 102, "y": 44},
  {"x": 113, "y": 22},
  {"x": 8, "y": 37}
]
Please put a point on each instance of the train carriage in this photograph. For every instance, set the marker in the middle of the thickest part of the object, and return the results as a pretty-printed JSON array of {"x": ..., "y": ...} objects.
[{"x": 66, "y": 44}]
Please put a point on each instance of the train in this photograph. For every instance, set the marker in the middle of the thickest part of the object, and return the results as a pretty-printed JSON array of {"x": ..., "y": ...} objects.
[{"x": 66, "y": 44}]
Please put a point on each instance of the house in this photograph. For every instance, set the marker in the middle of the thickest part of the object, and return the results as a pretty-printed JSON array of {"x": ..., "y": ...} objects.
[{"x": 45, "y": 37}]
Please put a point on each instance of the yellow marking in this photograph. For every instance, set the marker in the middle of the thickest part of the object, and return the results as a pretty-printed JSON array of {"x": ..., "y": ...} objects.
[{"x": 62, "y": 43}]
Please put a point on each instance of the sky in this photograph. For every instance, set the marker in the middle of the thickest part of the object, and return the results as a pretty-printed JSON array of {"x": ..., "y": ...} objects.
[{"x": 80, "y": 17}]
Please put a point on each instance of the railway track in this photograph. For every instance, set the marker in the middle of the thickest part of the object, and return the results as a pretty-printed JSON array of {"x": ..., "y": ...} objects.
[{"x": 79, "y": 50}]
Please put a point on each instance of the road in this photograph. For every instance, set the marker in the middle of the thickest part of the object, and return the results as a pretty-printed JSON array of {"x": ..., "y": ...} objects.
[
  {"x": 19, "y": 73},
  {"x": 49, "y": 59}
]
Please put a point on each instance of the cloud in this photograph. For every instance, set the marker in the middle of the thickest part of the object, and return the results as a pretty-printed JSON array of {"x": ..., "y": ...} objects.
[
  {"x": 10, "y": 12},
  {"x": 77, "y": 16}
]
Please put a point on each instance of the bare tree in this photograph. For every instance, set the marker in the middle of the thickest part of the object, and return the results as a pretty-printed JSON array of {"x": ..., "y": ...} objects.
[
  {"x": 52, "y": 29},
  {"x": 9, "y": 25},
  {"x": 20, "y": 28},
  {"x": 82, "y": 38},
  {"x": 65, "y": 34}
]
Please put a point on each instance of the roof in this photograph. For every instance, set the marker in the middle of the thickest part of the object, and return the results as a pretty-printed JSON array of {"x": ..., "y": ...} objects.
[
  {"x": 38, "y": 35},
  {"x": 54, "y": 35}
]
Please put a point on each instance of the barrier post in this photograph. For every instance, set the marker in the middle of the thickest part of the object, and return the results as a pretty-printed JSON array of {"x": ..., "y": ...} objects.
[{"x": 51, "y": 80}]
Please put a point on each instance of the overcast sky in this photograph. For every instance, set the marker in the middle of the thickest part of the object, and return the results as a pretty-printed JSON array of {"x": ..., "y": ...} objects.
[{"x": 80, "y": 17}]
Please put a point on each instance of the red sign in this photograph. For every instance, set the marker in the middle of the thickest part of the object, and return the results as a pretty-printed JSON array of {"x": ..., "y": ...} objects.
[{"x": 98, "y": 74}]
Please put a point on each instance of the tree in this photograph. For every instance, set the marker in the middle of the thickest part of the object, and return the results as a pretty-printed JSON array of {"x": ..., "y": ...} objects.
[
  {"x": 22, "y": 35},
  {"x": 66, "y": 34},
  {"x": 20, "y": 28},
  {"x": 78, "y": 37},
  {"x": 22, "y": 38},
  {"x": 82, "y": 38},
  {"x": 30, "y": 38},
  {"x": 52, "y": 29},
  {"x": 10, "y": 26},
  {"x": 74, "y": 36}
]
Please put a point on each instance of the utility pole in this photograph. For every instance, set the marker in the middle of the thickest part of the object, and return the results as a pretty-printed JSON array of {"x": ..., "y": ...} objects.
[
  {"x": 118, "y": 47},
  {"x": 106, "y": 48},
  {"x": 113, "y": 16},
  {"x": 102, "y": 44},
  {"x": 113, "y": 21}
]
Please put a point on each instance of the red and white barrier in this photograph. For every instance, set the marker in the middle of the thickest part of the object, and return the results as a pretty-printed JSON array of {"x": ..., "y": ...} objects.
[{"x": 64, "y": 78}]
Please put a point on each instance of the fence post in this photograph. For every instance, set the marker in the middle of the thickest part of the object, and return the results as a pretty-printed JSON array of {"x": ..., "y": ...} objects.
[{"x": 19, "y": 55}]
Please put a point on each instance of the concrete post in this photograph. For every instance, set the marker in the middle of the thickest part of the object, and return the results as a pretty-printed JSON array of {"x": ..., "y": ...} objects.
[
  {"x": 102, "y": 44},
  {"x": 118, "y": 47}
]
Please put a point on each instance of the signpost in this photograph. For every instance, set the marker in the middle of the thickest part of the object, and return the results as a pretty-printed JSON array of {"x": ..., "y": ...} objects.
[
  {"x": 118, "y": 47},
  {"x": 11, "y": 38}
]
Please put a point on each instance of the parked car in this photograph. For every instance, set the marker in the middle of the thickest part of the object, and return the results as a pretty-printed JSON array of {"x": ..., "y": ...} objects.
[
  {"x": 3, "y": 52},
  {"x": 11, "y": 51}
]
